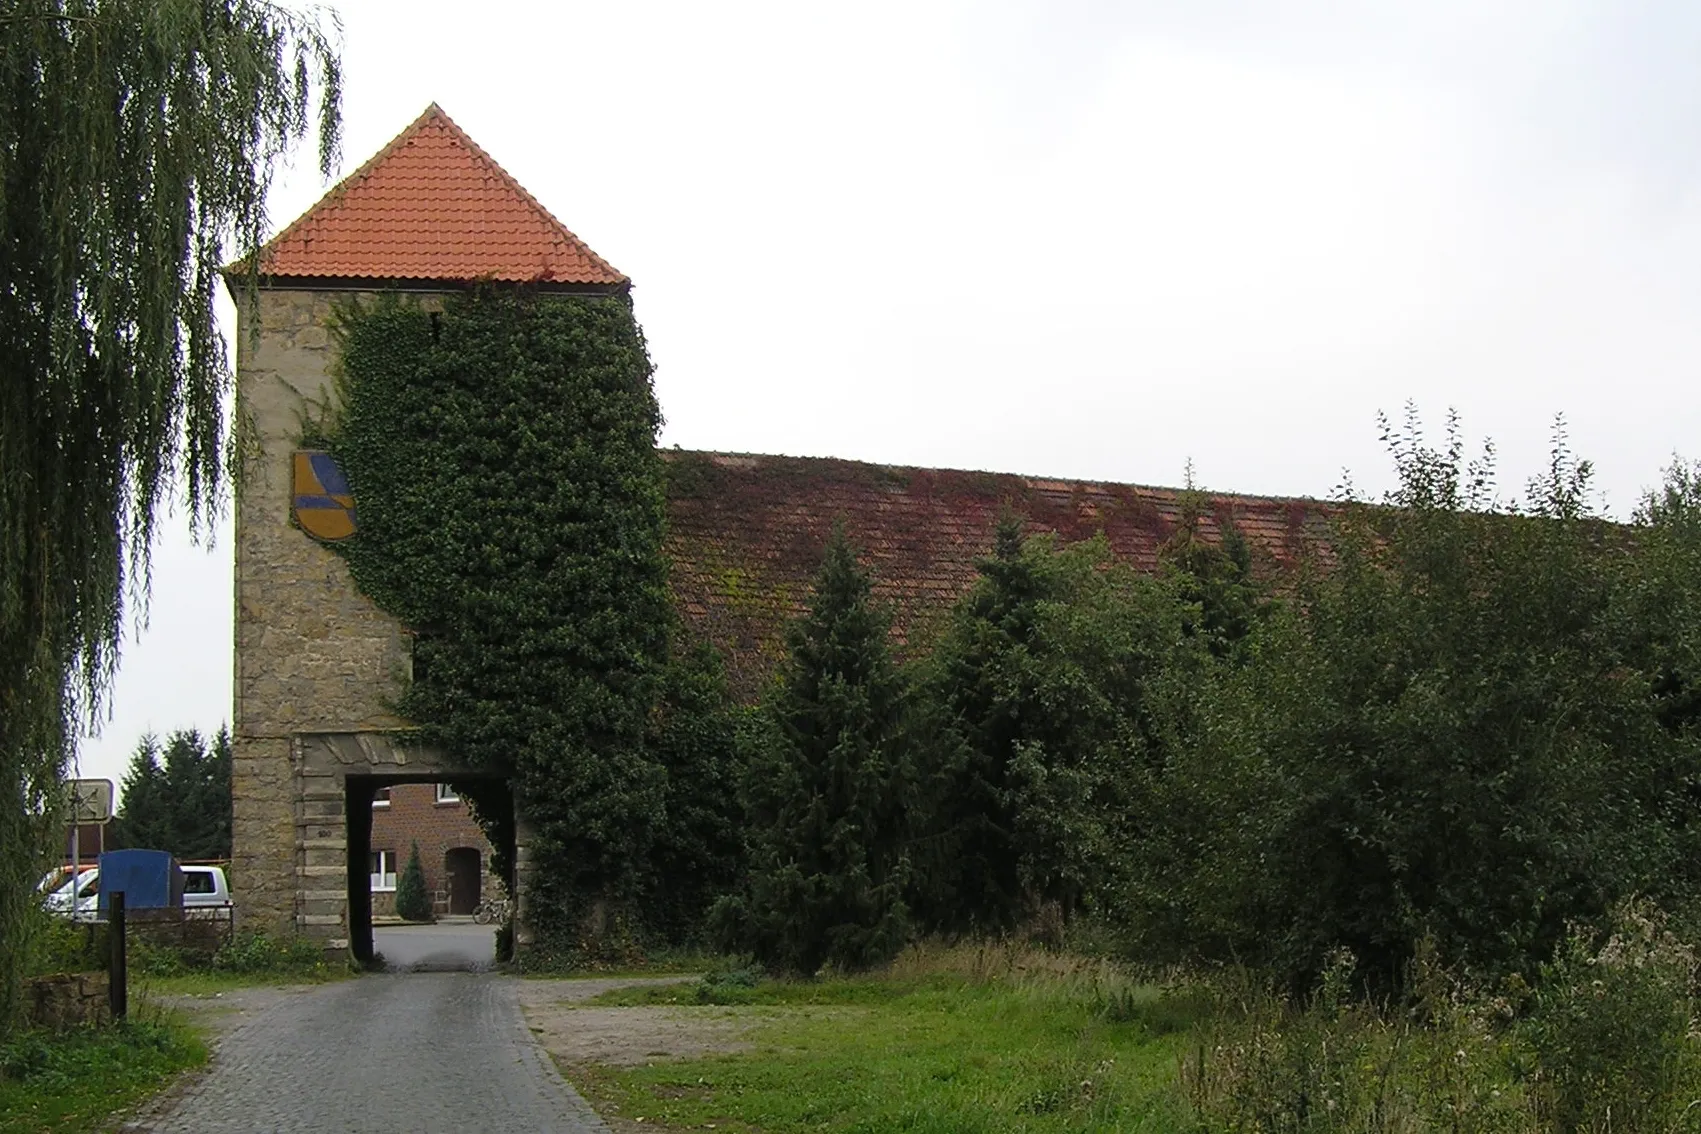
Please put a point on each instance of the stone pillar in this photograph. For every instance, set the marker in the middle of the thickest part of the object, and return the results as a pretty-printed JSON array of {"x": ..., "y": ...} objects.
[
  {"x": 523, "y": 864},
  {"x": 262, "y": 865},
  {"x": 322, "y": 857}
]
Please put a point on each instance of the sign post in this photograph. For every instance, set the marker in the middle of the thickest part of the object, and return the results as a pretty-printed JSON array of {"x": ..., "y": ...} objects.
[{"x": 91, "y": 802}]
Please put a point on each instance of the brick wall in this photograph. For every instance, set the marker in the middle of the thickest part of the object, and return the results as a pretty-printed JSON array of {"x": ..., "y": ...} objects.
[{"x": 415, "y": 815}]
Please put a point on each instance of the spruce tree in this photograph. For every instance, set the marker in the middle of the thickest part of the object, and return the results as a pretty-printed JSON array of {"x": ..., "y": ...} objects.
[
  {"x": 1038, "y": 718},
  {"x": 144, "y": 817},
  {"x": 412, "y": 902},
  {"x": 830, "y": 794},
  {"x": 178, "y": 800},
  {"x": 974, "y": 864},
  {"x": 1216, "y": 579}
]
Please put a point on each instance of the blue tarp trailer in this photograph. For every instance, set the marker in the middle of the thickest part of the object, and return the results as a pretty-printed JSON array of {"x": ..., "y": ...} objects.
[{"x": 150, "y": 879}]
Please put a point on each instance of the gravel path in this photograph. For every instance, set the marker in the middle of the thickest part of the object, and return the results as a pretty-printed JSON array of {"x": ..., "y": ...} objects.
[{"x": 426, "y": 1053}]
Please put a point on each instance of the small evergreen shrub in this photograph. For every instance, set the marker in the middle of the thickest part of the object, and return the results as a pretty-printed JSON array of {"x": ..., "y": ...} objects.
[{"x": 412, "y": 902}]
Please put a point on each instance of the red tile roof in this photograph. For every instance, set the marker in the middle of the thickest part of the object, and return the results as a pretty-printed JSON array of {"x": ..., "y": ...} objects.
[
  {"x": 746, "y": 533},
  {"x": 433, "y": 207}
]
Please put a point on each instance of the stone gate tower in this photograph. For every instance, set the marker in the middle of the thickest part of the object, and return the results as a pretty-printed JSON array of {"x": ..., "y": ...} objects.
[{"x": 318, "y": 665}]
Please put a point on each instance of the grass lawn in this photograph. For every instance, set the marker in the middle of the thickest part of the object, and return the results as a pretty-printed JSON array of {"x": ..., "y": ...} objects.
[
  {"x": 78, "y": 1080},
  {"x": 923, "y": 1052}
]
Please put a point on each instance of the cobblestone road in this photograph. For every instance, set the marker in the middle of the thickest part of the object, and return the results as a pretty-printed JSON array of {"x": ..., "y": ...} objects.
[{"x": 425, "y": 1052}]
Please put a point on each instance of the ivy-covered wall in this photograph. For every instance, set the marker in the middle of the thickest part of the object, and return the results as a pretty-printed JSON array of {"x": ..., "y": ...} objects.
[{"x": 510, "y": 503}]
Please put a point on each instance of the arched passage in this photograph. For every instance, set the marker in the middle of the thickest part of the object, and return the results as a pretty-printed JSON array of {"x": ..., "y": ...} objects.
[{"x": 386, "y": 814}]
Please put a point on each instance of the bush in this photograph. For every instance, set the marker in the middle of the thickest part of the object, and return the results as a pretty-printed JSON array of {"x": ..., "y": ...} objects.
[
  {"x": 57, "y": 945},
  {"x": 1610, "y": 1027},
  {"x": 1338, "y": 1063},
  {"x": 260, "y": 953},
  {"x": 412, "y": 902},
  {"x": 145, "y": 958},
  {"x": 1445, "y": 734},
  {"x": 1037, "y": 699}
]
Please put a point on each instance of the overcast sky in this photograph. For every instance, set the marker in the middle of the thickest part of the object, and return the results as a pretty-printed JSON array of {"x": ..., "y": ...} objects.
[{"x": 1074, "y": 238}]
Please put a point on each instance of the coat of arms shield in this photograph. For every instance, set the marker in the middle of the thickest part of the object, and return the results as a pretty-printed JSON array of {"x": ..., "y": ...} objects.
[{"x": 324, "y": 506}]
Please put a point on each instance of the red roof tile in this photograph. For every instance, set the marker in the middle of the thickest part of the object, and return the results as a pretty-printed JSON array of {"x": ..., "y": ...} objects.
[
  {"x": 746, "y": 533},
  {"x": 432, "y": 206}
]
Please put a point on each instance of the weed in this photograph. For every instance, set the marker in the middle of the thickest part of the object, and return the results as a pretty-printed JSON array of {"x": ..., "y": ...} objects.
[
  {"x": 1611, "y": 1028},
  {"x": 74, "y": 1080},
  {"x": 260, "y": 953}
]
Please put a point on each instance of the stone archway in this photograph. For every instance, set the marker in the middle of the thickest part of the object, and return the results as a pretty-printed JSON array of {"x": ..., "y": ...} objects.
[{"x": 335, "y": 778}]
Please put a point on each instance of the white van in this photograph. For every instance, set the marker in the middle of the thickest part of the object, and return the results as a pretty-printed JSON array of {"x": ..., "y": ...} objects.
[
  {"x": 205, "y": 894},
  {"x": 76, "y": 898},
  {"x": 205, "y": 891}
]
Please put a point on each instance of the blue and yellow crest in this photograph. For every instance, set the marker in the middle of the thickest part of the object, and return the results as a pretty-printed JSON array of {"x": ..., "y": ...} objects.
[{"x": 324, "y": 506}]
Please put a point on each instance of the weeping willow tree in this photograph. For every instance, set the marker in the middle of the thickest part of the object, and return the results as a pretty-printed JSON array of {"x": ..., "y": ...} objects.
[{"x": 137, "y": 143}]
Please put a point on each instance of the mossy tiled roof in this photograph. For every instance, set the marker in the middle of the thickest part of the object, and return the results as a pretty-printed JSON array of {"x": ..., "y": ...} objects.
[{"x": 746, "y": 535}]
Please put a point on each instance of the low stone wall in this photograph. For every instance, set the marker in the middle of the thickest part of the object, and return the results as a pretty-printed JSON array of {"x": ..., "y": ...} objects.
[{"x": 67, "y": 1000}]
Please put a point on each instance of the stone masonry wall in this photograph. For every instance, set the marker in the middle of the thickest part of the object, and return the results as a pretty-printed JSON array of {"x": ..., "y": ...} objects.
[
  {"x": 67, "y": 1000},
  {"x": 313, "y": 655}
]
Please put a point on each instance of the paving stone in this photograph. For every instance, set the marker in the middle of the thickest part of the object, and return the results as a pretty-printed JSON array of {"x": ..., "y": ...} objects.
[{"x": 423, "y": 1053}]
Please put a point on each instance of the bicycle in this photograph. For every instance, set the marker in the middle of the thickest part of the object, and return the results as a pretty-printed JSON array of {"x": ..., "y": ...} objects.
[{"x": 492, "y": 909}]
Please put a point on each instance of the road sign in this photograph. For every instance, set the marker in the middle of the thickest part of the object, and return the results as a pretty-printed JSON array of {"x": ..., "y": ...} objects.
[{"x": 91, "y": 801}]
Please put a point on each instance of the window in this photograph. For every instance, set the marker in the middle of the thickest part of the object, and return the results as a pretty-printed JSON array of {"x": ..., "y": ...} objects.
[
  {"x": 383, "y": 870},
  {"x": 381, "y": 797},
  {"x": 197, "y": 882},
  {"x": 446, "y": 794}
]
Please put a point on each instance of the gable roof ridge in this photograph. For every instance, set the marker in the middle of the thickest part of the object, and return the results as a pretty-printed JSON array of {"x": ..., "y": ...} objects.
[
  {"x": 363, "y": 171},
  {"x": 722, "y": 456},
  {"x": 553, "y": 244},
  {"x": 509, "y": 180}
]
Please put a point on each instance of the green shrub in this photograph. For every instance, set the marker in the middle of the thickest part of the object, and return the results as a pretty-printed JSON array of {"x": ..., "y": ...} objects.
[
  {"x": 1452, "y": 730},
  {"x": 146, "y": 958},
  {"x": 1260, "y": 1062},
  {"x": 412, "y": 902},
  {"x": 57, "y": 945},
  {"x": 1610, "y": 1028},
  {"x": 260, "y": 953}
]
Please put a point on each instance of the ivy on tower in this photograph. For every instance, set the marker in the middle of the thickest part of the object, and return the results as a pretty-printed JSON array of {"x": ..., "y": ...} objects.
[{"x": 511, "y": 510}]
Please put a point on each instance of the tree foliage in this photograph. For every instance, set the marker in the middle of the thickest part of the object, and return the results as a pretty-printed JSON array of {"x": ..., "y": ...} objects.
[
  {"x": 178, "y": 799},
  {"x": 1448, "y": 734},
  {"x": 503, "y": 452},
  {"x": 830, "y": 793},
  {"x": 137, "y": 138},
  {"x": 701, "y": 738},
  {"x": 1037, "y": 693},
  {"x": 1213, "y": 578}
]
